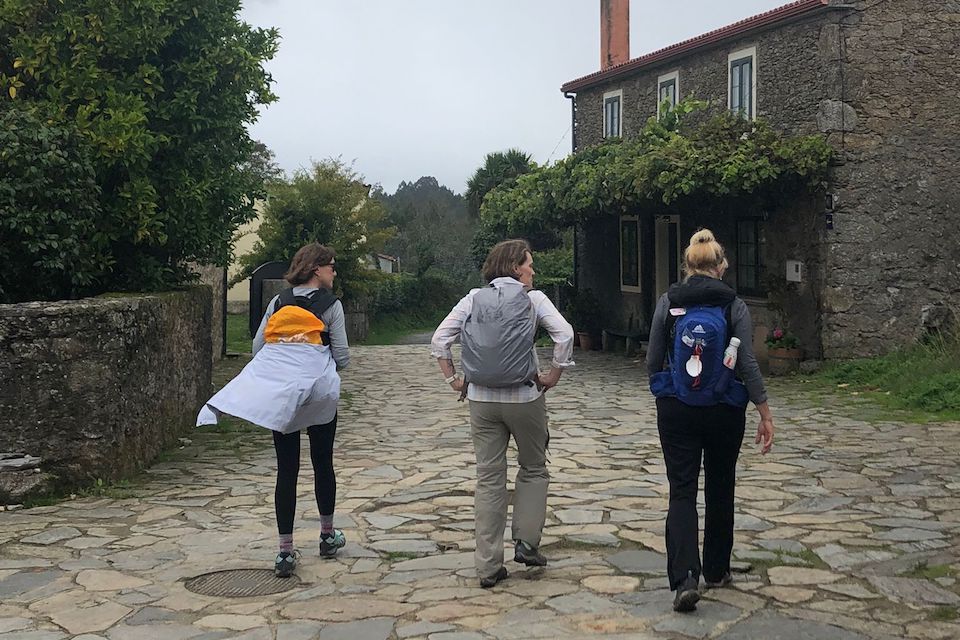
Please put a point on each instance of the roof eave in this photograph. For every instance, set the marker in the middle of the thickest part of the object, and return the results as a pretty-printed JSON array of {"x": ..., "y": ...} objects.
[{"x": 749, "y": 26}]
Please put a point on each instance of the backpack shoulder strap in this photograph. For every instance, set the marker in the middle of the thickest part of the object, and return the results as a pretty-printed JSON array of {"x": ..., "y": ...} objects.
[
  {"x": 319, "y": 301},
  {"x": 285, "y": 298}
]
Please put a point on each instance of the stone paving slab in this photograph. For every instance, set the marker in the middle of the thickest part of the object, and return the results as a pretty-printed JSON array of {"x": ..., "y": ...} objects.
[{"x": 850, "y": 529}]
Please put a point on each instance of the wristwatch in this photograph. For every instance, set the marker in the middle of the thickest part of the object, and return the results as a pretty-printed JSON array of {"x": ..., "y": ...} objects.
[{"x": 450, "y": 379}]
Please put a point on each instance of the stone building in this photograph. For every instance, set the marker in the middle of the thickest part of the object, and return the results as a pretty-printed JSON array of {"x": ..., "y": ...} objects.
[{"x": 864, "y": 267}]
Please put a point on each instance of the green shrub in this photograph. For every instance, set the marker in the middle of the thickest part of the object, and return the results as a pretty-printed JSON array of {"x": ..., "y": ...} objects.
[
  {"x": 161, "y": 93},
  {"x": 407, "y": 295},
  {"x": 49, "y": 208}
]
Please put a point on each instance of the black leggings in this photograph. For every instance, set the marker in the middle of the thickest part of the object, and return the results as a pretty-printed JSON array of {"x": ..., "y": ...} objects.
[{"x": 288, "y": 470}]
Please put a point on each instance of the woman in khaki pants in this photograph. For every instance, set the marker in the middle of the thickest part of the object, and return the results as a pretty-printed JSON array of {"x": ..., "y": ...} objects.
[{"x": 499, "y": 412}]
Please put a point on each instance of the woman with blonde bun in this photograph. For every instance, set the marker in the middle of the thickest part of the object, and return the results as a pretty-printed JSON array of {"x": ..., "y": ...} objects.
[{"x": 695, "y": 430}]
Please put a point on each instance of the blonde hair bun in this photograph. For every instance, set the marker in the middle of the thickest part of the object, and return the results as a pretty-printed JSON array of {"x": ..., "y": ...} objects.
[
  {"x": 704, "y": 256},
  {"x": 703, "y": 236}
]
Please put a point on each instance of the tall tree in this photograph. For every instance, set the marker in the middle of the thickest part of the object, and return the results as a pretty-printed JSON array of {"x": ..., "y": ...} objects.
[
  {"x": 499, "y": 168},
  {"x": 329, "y": 203}
]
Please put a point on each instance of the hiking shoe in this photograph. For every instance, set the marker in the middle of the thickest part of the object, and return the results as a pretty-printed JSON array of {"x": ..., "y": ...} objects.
[
  {"x": 332, "y": 542},
  {"x": 724, "y": 580},
  {"x": 491, "y": 581},
  {"x": 285, "y": 564},
  {"x": 530, "y": 556},
  {"x": 688, "y": 594}
]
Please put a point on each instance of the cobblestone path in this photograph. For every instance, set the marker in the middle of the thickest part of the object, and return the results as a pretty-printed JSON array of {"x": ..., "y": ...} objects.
[{"x": 851, "y": 525}]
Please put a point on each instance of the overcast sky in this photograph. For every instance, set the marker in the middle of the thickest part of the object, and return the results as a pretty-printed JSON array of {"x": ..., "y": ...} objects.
[{"x": 408, "y": 88}]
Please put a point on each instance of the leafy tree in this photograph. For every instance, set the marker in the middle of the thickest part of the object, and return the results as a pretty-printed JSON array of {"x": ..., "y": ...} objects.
[
  {"x": 433, "y": 230},
  {"x": 499, "y": 168},
  {"x": 160, "y": 92},
  {"x": 329, "y": 203}
]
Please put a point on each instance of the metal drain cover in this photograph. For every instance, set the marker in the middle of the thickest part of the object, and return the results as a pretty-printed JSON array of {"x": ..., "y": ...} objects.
[{"x": 240, "y": 583}]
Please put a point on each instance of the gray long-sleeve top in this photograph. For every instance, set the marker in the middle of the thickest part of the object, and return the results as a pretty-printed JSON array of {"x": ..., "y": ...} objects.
[
  {"x": 332, "y": 317},
  {"x": 747, "y": 368}
]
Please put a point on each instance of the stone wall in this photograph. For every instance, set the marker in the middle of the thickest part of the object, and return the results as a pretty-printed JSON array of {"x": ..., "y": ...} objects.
[
  {"x": 216, "y": 278},
  {"x": 879, "y": 79},
  {"x": 893, "y": 252},
  {"x": 96, "y": 388}
]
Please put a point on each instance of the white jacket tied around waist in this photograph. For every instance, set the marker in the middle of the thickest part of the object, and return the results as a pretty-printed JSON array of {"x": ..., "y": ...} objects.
[{"x": 285, "y": 388}]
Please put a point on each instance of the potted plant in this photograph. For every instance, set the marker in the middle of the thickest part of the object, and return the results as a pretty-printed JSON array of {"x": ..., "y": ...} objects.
[
  {"x": 784, "y": 352},
  {"x": 583, "y": 312}
]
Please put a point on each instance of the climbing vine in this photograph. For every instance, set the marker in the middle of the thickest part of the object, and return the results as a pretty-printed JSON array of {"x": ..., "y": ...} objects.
[{"x": 684, "y": 159}]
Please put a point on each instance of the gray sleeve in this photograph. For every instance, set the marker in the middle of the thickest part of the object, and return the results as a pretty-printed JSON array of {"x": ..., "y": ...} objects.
[
  {"x": 258, "y": 338},
  {"x": 337, "y": 326},
  {"x": 657, "y": 346},
  {"x": 747, "y": 368}
]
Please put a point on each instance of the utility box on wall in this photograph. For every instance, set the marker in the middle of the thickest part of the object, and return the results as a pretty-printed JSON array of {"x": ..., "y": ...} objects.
[{"x": 794, "y": 271}]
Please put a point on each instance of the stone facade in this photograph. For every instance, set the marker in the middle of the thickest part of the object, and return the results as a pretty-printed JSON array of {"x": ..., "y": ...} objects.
[
  {"x": 878, "y": 79},
  {"x": 96, "y": 388}
]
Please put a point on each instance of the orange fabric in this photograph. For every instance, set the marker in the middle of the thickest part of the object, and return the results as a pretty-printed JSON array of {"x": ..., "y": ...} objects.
[{"x": 294, "y": 324}]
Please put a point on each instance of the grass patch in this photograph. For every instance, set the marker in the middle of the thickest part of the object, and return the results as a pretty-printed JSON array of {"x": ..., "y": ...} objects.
[
  {"x": 923, "y": 379},
  {"x": 944, "y": 614},
  {"x": 929, "y": 571},
  {"x": 394, "y": 556},
  {"x": 389, "y": 329},
  {"x": 238, "y": 333}
]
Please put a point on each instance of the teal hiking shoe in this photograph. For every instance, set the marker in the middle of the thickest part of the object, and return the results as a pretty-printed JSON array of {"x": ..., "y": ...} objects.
[
  {"x": 331, "y": 543},
  {"x": 286, "y": 563}
]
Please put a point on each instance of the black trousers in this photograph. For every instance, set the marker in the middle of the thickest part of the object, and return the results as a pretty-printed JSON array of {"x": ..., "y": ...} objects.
[
  {"x": 687, "y": 436},
  {"x": 288, "y": 471}
]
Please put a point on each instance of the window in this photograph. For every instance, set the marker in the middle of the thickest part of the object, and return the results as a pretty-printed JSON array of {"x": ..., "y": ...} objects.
[
  {"x": 629, "y": 254},
  {"x": 743, "y": 85},
  {"x": 750, "y": 250},
  {"x": 668, "y": 89},
  {"x": 612, "y": 114}
]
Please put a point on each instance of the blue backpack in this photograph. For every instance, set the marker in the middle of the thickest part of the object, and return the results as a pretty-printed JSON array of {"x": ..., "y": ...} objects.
[{"x": 696, "y": 376}]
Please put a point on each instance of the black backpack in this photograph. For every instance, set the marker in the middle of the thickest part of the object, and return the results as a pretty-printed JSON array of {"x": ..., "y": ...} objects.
[{"x": 316, "y": 302}]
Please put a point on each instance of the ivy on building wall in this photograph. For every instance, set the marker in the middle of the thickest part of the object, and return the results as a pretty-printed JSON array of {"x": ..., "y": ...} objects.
[{"x": 683, "y": 160}]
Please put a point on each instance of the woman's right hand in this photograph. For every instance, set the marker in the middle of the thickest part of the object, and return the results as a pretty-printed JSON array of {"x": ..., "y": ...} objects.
[
  {"x": 765, "y": 434},
  {"x": 457, "y": 385}
]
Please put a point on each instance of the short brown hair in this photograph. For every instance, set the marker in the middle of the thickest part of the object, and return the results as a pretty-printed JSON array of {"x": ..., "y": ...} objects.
[
  {"x": 504, "y": 258},
  {"x": 308, "y": 257}
]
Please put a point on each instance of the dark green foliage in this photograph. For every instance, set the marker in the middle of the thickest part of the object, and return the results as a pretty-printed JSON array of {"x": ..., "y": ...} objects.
[
  {"x": 499, "y": 168},
  {"x": 328, "y": 204},
  {"x": 409, "y": 295},
  {"x": 49, "y": 207},
  {"x": 160, "y": 92}
]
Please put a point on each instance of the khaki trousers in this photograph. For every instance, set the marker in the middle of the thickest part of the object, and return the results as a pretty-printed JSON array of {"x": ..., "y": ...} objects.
[{"x": 491, "y": 425}]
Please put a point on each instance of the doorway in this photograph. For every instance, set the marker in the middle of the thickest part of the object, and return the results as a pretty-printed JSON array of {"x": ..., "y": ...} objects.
[{"x": 667, "y": 253}]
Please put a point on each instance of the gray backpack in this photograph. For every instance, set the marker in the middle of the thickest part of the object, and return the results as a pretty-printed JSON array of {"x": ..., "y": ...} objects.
[{"x": 498, "y": 338}]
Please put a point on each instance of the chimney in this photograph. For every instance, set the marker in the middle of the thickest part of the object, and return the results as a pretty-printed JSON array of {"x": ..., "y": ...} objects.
[{"x": 614, "y": 32}]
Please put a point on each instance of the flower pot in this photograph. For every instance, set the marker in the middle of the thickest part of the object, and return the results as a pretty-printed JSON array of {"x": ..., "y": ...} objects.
[
  {"x": 586, "y": 341},
  {"x": 784, "y": 361}
]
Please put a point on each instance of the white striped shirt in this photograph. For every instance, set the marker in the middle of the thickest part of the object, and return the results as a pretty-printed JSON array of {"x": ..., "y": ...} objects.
[{"x": 547, "y": 317}]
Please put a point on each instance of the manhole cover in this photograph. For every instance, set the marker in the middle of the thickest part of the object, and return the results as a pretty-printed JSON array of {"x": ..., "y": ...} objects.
[{"x": 239, "y": 583}]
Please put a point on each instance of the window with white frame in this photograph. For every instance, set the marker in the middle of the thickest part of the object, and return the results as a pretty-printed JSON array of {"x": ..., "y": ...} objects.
[
  {"x": 630, "y": 254},
  {"x": 742, "y": 73},
  {"x": 750, "y": 249},
  {"x": 668, "y": 90},
  {"x": 612, "y": 111}
]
